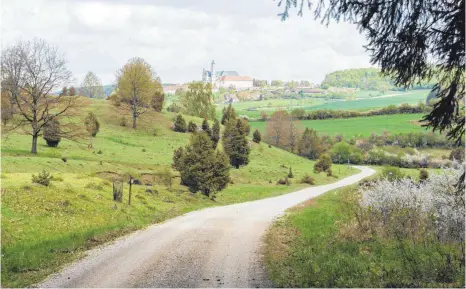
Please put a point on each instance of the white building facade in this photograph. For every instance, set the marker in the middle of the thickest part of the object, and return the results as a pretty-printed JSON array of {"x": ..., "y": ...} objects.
[{"x": 226, "y": 79}]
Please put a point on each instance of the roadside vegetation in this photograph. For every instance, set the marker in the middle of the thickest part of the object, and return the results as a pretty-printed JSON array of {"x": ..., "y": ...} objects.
[{"x": 398, "y": 229}]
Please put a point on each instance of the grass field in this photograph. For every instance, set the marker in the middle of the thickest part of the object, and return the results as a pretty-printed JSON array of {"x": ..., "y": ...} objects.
[
  {"x": 45, "y": 227},
  {"x": 306, "y": 248},
  {"x": 364, "y": 103},
  {"x": 359, "y": 126}
]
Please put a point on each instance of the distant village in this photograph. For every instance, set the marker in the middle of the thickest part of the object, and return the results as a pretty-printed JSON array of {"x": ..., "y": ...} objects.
[{"x": 232, "y": 85}]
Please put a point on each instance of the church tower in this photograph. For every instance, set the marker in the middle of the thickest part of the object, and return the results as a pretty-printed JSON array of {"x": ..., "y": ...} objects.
[
  {"x": 204, "y": 75},
  {"x": 213, "y": 76}
]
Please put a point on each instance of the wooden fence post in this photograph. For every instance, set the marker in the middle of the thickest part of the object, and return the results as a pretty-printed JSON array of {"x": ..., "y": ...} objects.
[{"x": 130, "y": 183}]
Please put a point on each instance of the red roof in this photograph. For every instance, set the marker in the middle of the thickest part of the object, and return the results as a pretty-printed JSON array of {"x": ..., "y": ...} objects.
[{"x": 235, "y": 78}]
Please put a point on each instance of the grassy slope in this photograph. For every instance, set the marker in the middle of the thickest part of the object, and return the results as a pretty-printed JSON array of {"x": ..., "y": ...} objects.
[
  {"x": 43, "y": 228},
  {"x": 360, "y": 126}
]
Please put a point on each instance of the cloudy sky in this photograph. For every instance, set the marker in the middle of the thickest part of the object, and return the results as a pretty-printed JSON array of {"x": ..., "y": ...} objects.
[{"x": 180, "y": 37}]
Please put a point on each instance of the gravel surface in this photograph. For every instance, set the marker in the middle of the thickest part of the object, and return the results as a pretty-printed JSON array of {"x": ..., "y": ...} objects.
[{"x": 214, "y": 247}]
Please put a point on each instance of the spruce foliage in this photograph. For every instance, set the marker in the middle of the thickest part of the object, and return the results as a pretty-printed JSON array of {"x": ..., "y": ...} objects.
[
  {"x": 235, "y": 143},
  {"x": 206, "y": 127},
  {"x": 180, "y": 124},
  {"x": 215, "y": 136},
  {"x": 228, "y": 114},
  {"x": 201, "y": 167},
  {"x": 192, "y": 127},
  {"x": 256, "y": 136}
]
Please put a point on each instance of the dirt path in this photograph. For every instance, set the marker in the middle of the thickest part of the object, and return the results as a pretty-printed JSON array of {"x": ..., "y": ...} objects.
[{"x": 215, "y": 247}]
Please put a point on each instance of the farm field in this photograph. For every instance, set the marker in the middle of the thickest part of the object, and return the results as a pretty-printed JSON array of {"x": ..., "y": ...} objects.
[
  {"x": 359, "y": 126},
  {"x": 270, "y": 105},
  {"x": 45, "y": 227},
  {"x": 411, "y": 97},
  {"x": 364, "y": 103}
]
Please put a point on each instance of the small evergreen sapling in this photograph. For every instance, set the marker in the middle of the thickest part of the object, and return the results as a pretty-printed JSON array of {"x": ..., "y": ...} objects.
[
  {"x": 180, "y": 124},
  {"x": 256, "y": 136},
  {"x": 192, "y": 127}
]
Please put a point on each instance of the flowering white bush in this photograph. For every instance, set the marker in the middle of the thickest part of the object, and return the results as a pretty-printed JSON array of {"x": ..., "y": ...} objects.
[{"x": 437, "y": 199}]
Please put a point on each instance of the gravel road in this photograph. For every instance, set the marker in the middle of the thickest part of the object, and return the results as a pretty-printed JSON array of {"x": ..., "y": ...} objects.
[{"x": 214, "y": 247}]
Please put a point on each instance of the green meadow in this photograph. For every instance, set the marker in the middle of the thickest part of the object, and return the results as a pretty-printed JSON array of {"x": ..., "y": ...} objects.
[
  {"x": 45, "y": 227},
  {"x": 360, "y": 126}
]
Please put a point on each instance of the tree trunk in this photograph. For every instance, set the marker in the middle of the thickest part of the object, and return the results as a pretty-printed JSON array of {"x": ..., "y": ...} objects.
[
  {"x": 34, "y": 144},
  {"x": 134, "y": 121}
]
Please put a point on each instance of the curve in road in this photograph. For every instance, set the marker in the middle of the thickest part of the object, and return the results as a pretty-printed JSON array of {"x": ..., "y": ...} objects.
[{"x": 214, "y": 247}]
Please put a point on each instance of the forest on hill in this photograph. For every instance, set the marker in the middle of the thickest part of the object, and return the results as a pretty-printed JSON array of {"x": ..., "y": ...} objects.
[{"x": 367, "y": 79}]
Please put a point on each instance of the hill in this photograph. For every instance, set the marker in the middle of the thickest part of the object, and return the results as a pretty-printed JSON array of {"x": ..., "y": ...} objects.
[
  {"x": 45, "y": 227},
  {"x": 365, "y": 78}
]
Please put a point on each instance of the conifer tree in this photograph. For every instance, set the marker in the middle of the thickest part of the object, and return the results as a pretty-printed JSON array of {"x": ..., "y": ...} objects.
[
  {"x": 206, "y": 127},
  {"x": 310, "y": 145},
  {"x": 256, "y": 136},
  {"x": 201, "y": 167},
  {"x": 180, "y": 124},
  {"x": 235, "y": 143},
  {"x": 192, "y": 127},
  {"x": 228, "y": 114},
  {"x": 215, "y": 136}
]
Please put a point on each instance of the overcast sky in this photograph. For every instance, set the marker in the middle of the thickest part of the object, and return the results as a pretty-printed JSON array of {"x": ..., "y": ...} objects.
[{"x": 180, "y": 37}]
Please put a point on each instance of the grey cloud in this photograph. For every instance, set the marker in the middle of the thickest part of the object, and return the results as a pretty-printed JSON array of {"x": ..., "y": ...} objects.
[{"x": 179, "y": 38}]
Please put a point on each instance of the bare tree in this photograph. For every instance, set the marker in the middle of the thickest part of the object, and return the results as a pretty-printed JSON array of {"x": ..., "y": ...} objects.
[
  {"x": 91, "y": 86},
  {"x": 41, "y": 70},
  {"x": 277, "y": 128},
  {"x": 12, "y": 68}
]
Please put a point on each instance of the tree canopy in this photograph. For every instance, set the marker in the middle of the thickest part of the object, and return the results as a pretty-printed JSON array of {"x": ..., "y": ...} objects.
[
  {"x": 136, "y": 86},
  {"x": 198, "y": 101},
  {"x": 91, "y": 86}
]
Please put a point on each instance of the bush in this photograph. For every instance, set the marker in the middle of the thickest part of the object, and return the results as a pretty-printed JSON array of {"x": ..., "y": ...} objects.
[
  {"x": 423, "y": 175},
  {"x": 123, "y": 121},
  {"x": 42, "y": 178},
  {"x": 52, "y": 132},
  {"x": 457, "y": 154},
  {"x": 290, "y": 174},
  {"x": 167, "y": 178},
  {"x": 192, "y": 127},
  {"x": 174, "y": 108},
  {"x": 329, "y": 172},
  {"x": 323, "y": 164},
  {"x": 281, "y": 182},
  {"x": 256, "y": 136},
  {"x": 180, "y": 124},
  {"x": 392, "y": 173},
  {"x": 307, "y": 179}
]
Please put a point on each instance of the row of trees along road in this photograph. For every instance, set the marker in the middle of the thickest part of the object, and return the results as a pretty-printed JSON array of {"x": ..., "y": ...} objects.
[{"x": 32, "y": 70}]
